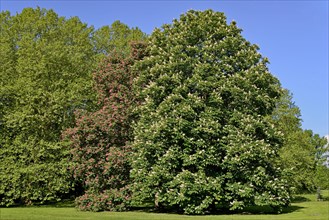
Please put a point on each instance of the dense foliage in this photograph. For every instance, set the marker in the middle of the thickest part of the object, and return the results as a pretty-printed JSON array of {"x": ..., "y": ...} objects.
[
  {"x": 46, "y": 66},
  {"x": 46, "y": 63},
  {"x": 100, "y": 140},
  {"x": 194, "y": 123},
  {"x": 322, "y": 177},
  {"x": 202, "y": 141},
  {"x": 116, "y": 38},
  {"x": 302, "y": 150}
]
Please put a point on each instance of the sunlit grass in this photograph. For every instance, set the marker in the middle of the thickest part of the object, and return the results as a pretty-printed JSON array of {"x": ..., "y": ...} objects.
[{"x": 304, "y": 207}]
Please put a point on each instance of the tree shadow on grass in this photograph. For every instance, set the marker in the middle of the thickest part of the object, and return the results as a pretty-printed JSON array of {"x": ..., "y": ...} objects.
[
  {"x": 67, "y": 203},
  {"x": 325, "y": 198},
  {"x": 299, "y": 199},
  {"x": 55, "y": 204},
  {"x": 252, "y": 210},
  {"x": 60, "y": 204}
]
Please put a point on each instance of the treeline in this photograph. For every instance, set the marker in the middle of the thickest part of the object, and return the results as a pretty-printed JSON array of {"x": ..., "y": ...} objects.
[
  {"x": 188, "y": 118},
  {"x": 46, "y": 69}
]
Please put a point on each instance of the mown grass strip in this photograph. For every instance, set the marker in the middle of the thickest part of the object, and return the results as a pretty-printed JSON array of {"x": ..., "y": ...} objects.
[{"x": 304, "y": 207}]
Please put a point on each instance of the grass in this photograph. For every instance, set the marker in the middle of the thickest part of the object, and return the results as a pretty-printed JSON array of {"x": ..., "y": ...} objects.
[{"x": 303, "y": 207}]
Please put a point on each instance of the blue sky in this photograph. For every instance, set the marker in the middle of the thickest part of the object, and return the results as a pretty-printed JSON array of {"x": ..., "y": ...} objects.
[{"x": 292, "y": 34}]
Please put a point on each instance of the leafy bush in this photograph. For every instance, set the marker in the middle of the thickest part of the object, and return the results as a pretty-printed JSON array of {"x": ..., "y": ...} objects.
[{"x": 110, "y": 200}]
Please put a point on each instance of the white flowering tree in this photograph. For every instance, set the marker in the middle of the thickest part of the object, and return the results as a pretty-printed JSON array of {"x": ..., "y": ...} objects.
[{"x": 202, "y": 141}]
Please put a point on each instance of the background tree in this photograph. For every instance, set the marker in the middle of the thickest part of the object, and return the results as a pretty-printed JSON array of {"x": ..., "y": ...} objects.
[
  {"x": 322, "y": 176},
  {"x": 302, "y": 150},
  {"x": 101, "y": 139},
  {"x": 203, "y": 141},
  {"x": 116, "y": 38}
]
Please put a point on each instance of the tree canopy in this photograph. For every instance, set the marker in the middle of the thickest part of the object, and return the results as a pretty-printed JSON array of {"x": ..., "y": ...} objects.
[
  {"x": 203, "y": 141},
  {"x": 46, "y": 64},
  {"x": 189, "y": 118},
  {"x": 116, "y": 37},
  {"x": 46, "y": 70}
]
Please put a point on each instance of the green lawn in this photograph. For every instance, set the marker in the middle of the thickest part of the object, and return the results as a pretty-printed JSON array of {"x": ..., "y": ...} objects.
[{"x": 305, "y": 207}]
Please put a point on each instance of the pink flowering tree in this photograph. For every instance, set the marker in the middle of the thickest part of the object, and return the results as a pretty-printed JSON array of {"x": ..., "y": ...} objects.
[{"x": 100, "y": 139}]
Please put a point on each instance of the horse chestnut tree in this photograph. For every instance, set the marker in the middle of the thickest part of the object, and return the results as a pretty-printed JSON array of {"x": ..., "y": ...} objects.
[{"x": 202, "y": 142}]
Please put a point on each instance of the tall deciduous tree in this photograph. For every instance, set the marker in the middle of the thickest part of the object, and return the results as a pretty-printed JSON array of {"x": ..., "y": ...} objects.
[
  {"x": 202, "y": 141},
  {"x": 46, "y": 64}
]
